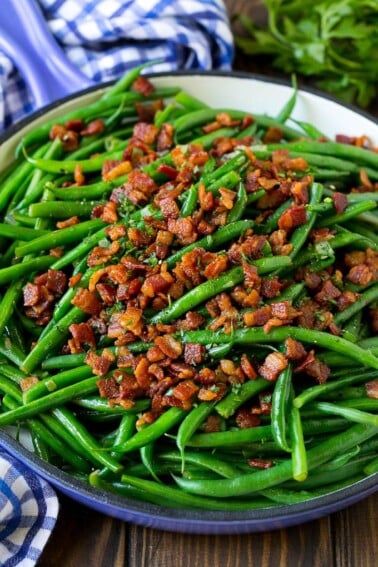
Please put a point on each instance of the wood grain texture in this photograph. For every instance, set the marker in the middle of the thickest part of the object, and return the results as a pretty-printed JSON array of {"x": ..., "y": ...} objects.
[{"x": 84, "y": 538}]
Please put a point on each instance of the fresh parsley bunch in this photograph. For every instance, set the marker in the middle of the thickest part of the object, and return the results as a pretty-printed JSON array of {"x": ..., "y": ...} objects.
[{"x": 333, "y": 42}]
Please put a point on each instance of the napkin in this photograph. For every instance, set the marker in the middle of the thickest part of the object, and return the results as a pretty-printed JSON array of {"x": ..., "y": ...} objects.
[
  {"x": 105, "y": 38},
  {"x": 28, "y": 512}
]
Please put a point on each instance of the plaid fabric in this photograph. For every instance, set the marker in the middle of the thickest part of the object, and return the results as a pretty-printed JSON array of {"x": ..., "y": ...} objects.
[
  {"x": 104, "y": 38},
  {"x": 28, "y": 512}
]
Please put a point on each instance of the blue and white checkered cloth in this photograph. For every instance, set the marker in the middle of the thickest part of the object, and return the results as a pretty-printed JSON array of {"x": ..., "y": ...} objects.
[
  {"x": 104, "y": 38},
  {"x": 28, "y": 512}
]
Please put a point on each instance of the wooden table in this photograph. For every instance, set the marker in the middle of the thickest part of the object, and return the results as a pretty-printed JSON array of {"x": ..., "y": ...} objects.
[{"x": 84, "y": 538}]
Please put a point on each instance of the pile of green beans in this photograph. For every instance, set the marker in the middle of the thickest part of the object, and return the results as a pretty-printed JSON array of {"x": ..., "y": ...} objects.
[{"x": 316, "y": 438}]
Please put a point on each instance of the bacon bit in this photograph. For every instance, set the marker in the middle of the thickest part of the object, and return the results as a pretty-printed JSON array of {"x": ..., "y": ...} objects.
[
  {"x": 74, "y": 280},
  {"x": 156, "y": 284},
  {"x": 194, "y": 353},
  {"x": 373, "y": 314},
  {"x": 81, "y": 334},
  {"x": 169, "y": 208},
  {"x": 294, "y": 349},
  {"x": 87, "y": 301},
  {"x": 258, "y": 317},
  {"x": 291, "y": 218},
  {"x": 29, "y": 382},
  {"x": 213, "y": 393},
  {"x": 260, "y": 464},
  {"x": 366, "y": 183},
  {"x": 184, "y": 229},
  {"x": 109, "y": 212},
  {"x": 69, "y": 138},
  {"x": 138, "y": 188},
  {"x": 216, "y": 267},
  {"x": 121, "y": 168},
  {"x": 273, "y": 365},
  {"x": 116, "y": 232},
  {"x": 165, "y": 137},
  {"x": 372, "y": 389},
  {"x": 100, "y": 254},
  {"x": 79, "y": 177},
  {"x": 284, "y": 310},
  {"x": 328, "y": 293},
  {"x": 213, "y": 424},
  {"x": 273, "y": 135},
  {"x": 192, "y": 321},
  {"x": 340, "y": 202},
  {"x": 68, "y": 222},
  {"x": 100, "y": 364},
  {"x": 360, "y": 275},
  {"x": 94, "y": 127},
  {"x": 169, "y": 171},
  {"x": 247, "y": 367},
  {"x": 246, "y": 419},
  {"x": 205, "y": 198},
  {"x": 227, "y": 198},
  {"x": 314, "y": 368},
  {"x": 299, "y": 190},
  {"x": 76, "y": 124},
  {"x": 186, "y": 390},
  {"x": 270, "y": 287},
  {"x": 143, "y": 86},
  {"x": 169, "y": 345},
  {"x": 108, "y": 388}
]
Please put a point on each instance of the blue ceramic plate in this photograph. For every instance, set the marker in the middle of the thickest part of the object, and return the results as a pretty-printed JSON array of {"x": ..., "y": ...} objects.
[{"x": 250, "y": 93}]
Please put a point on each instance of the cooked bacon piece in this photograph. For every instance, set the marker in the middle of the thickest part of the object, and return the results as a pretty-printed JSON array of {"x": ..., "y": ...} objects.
[
  {"x": 155, "y": 284},
  {"x": 116, "y": 232},
  {"x": 328, "y": 293},
  {"x": 112, "y": 170},
  {"x": 107, "y": 293},
  {"x": 227, "y": 198},
  {"x": 109, "y": 212},
  {"x": 143, "y": 86},
  {"x": 76, "y": 124},
  {"x": 82, "y": 334},
  {"x": 272, "y": 135},
  {"x": 94, "y": 127},
  {"x": 260, "y": 464},
  {"x": 360, "y": 274},
  {"x": 247, "y": 367},
  {"x": 138, "y": 188},
  {"x": 273, "y": 365},
  {"x": 169, "y": 209},
  {"x": 69, "y": 138},
  {"x": 194, "y": 353},
  {"x": 68, "y": 222},
  {"x": 354, "y": 258},
  {"x": 314, "y": 368},
  {"x": 87, "y": 301},
  {"x": 218, "y": 265},
  {"x": 340, "y": 202},
  {"x": 291, "y": 218},
  {"x": 213, "y": 424},
  {"x": 101, "y": 254},
  {"x": 169, "y": 345},
  {"x": 284, "y": 310},
  {"x": 184, "y": 229},
  {"x": 374, "y": 320},
  {"x": 165, "y": 137},
  {"x": 251, "y": 247},
  {"x": 193, "y": 321},
  {"x": 100, "y": 364},
  {"x": 146, "y": 111},
  {"x": 108, "y": 388},
  {"x": 214, "y": 393},
  {"x": 372, "y": 389},
  {"x": 294, "y": 349},
  {"x": 185, "y": 390},
  {"x": 347, "y": 298},
  {"x": 258, "y": 317},
  {"x": 54, "y": 280},
  {"x": 270, "y": 287},
  {"x": 147, "y": 133},
  {"x": 246, "y": 419},
  {"x": 299, "y": 190}
]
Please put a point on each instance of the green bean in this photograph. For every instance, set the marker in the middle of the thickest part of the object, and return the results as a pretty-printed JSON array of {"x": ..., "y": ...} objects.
[
  {"x": 52, "y": 340},
  {"x": 60, "y": 237},
  {"x": 16, "y": 232},
  {"x": 280, "y": 408},
  {"x": 190, "y": 424},
  {"x": 353, "y": 210},
  {"x": 125, "y": 83},
  {"x": 17, "y": 271},
  {"x": 91, "y": 446},
  {"x": 189, "y": 101},
  {"x": 240, "y": 394},
  {"x": 255, "y": 335},
  {"x": 49, "y": 401},
  {"x": 237, "y": 210},
  {"x": 164, "y": 423},
  {"x": 222, "y": 468},
  {"x": 367, "y": 297},
  {"x": 257, "y": 481},
  {"x": 190, "y": 203},
  {"x": 212, "y": 287},
  {"x": 297, "y": 442},
  {"x": 62, "y": 209},
  {"x": 349, "y": 413},
  {"x": 285, "y": 112},
  {"x": 52, "y": 383}
]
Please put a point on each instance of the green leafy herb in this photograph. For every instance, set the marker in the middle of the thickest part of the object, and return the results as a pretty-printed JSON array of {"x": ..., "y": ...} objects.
[{"x": 333, "y": 42}]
